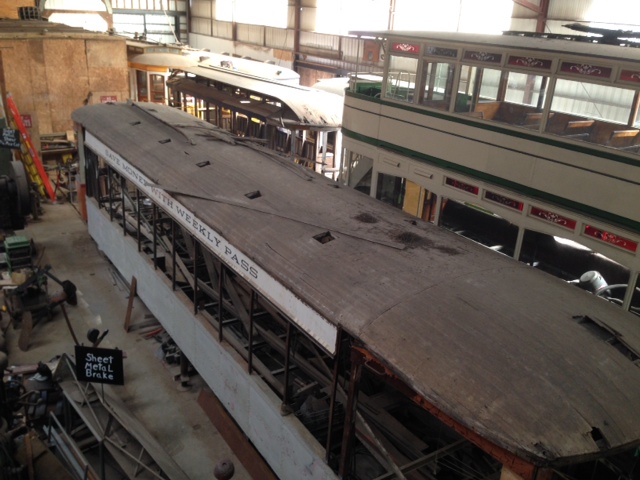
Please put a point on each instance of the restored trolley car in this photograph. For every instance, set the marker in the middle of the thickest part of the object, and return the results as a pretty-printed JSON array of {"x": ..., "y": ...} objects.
[{"x": 522, "y": 143}]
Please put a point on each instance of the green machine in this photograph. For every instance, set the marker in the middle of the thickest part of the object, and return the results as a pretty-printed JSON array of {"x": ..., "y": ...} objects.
[{"x": 18, "y": 252}]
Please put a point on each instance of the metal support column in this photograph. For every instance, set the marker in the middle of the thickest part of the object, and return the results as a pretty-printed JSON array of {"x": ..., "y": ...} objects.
[
  {"x": 631, "y": 290},
  {"x": 195, "y": 276},
  {"x": 139, "y": 220},
  {"x": 543, "y": 15},
  {"x": 250, "y": 347},
  {"x": 220, "y": 282},
  {"x": 173, "y": 255},
  {"x": 123, "y": 186},
  {"x": 103, "y": 474},
  {"x": 297, "y": 7},
  {"x": 155, "y": 237},
  {"x": 287, "y": 355},
  {"x": 110, "y": 191},
  {"x": 334, "y": 389},
  {"x": 519, "y": 240},
  {"x": 95, "y": 175},
  {"x": 635, "y": 106},
  {"x": 392, "y": 15},
  {"x": 349, "y": 434}
]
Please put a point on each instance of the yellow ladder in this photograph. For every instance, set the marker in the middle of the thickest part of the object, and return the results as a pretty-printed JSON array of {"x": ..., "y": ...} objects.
[{"x": 29, "y": 155}]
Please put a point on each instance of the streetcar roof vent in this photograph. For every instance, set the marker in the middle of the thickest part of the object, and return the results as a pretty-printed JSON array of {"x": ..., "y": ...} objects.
[
  {"x": 607, "y": 334},
  {"x": 325, "y": 237},
  {"x": 599, "y": 438}
]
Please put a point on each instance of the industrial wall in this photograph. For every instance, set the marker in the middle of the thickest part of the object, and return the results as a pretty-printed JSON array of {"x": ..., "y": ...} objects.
[
  {"x": 326, "y": 55},
  {"x": 614, "y": 14},
  {"x": 9, "y": 8},
  {"x": 50, "y": 77},
  {"x": 326, "y": 47}
]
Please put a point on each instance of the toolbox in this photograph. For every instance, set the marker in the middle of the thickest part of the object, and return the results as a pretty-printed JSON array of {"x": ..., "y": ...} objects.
[{"x": 17, "y": 250}]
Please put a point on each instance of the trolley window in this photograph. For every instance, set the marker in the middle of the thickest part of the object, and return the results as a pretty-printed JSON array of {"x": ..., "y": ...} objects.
[
  {"x": 401, "y": 78},
  {"x": 437, "y": 84}
]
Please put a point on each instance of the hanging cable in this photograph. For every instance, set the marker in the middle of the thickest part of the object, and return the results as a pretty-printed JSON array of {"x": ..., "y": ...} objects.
[{"x": 170, "y": 23}]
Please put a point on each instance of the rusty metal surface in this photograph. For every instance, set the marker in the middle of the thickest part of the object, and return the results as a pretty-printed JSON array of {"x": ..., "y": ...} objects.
[{"x": 499, "y": 347}]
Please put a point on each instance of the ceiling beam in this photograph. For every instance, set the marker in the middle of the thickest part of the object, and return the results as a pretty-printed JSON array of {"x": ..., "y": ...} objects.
[
  {"x": 543, "y": 14},
  {"x": 527, "y": 4},
  {"x": 542, "y": 9}
]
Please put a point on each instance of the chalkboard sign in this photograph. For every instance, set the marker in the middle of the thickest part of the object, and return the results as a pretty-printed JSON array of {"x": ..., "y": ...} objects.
[
  {"x": 10, "y": 138},
  {"x": 99, "y": 365}
]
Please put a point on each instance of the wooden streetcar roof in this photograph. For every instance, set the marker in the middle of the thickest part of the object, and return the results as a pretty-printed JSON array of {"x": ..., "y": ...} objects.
[
  {"x": 162, "y": 59},
  {"x": 311, "y": 106},
  {"x": 508, "y": 351},
  {"x": 272, "y": 114}
]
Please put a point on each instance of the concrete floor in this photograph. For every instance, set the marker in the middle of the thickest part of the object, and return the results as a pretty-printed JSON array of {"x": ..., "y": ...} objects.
[{"x": 172, "y": 416}]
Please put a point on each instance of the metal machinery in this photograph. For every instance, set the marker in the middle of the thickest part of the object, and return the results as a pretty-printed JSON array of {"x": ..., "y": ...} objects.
[
  {"x": 30, "y": 301},
  {"x": 15, "y": 197}
]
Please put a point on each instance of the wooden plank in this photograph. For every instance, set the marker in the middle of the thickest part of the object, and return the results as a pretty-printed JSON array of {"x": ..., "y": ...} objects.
[
  {"x": 25, "y": 331},
  {"x": 235, "y": 438},
  {"x": 148, "y": 324},
  {"x": 132, "y": 295}
]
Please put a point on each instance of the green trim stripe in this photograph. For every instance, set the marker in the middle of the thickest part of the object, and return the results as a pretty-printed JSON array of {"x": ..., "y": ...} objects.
[
  {"x": 523, "y": 189},
  {"x": 496, "y": 128}
]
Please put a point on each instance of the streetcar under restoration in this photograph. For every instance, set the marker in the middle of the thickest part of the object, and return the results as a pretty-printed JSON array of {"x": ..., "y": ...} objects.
[
  {"x": 246, "y": 97},
  {"x": 400, "y": 349},
  {"x": 295, "y": 120}
]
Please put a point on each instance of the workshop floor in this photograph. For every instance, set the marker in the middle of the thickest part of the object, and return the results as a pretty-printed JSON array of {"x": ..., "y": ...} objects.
[{"x": 171, "y": 415}]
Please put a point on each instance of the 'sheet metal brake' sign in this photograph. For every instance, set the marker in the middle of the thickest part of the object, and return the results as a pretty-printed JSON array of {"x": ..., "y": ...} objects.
[{"x": 99, "y": 365}]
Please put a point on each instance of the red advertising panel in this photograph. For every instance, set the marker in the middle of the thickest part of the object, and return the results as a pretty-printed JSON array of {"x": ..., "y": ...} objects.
[
  {"x": 462, "y": 186},
  {"x": 553, "y": 218},
  {"x": 611, "y": 238},
  {"x": 406, "y": 48},
  {"x": 585, "y": 69},
  {"x": 502, "y": 200}
]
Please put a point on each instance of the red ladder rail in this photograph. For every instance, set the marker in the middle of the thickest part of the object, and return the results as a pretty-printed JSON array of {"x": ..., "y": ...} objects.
[{"x": 32, "y": 151}]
